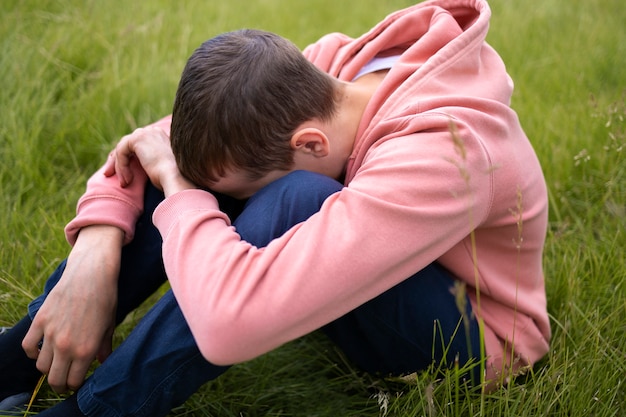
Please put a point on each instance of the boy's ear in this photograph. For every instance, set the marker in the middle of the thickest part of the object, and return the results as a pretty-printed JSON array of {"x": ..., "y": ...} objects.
[{"x": 310, "y": 140}]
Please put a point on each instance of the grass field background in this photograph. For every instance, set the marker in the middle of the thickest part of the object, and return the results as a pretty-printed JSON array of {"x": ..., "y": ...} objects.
[{"x": 77, "y": 75}]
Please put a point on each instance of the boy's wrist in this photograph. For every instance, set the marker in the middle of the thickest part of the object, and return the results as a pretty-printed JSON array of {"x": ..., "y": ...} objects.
[
  {"x": 175, "y": 184},
  {"x": 100, "y": 235}
]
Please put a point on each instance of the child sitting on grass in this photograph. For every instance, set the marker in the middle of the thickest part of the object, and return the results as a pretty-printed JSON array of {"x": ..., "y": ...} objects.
[{"x": 380, "y": 189}]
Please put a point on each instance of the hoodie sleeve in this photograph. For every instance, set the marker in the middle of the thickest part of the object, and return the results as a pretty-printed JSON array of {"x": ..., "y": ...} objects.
[{"x": 105, "y": 202}]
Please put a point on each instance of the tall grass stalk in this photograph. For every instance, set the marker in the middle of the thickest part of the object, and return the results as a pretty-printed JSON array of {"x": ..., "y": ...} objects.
[{"x": 77, "y": 75}]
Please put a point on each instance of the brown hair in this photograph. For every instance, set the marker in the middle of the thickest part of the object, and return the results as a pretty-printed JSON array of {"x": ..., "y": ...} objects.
[{"x": 241, "y": 96}]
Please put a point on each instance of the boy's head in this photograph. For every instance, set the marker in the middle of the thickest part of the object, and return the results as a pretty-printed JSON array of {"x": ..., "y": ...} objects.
[{"x": 241, "y": 96}]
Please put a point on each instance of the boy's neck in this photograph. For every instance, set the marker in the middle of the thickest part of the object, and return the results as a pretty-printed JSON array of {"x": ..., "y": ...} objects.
[{"x": 355, "y": 96}]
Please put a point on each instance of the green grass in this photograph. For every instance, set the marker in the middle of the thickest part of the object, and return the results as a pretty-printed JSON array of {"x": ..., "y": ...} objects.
[{"x": 77, "y": 75}]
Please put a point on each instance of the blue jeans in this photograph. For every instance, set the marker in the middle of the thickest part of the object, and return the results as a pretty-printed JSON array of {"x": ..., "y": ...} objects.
[{"x": 158, "y": 366}]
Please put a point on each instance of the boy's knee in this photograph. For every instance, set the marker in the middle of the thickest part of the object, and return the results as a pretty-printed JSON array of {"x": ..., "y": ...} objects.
[
  {"x": 304, "y": 189},
  {"x": 282, "y": 204},
  {"x": 309, "y": 186}
]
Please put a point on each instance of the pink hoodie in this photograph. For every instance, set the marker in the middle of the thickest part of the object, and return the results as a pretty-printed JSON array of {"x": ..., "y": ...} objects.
[{"x": 413, "y": 195}]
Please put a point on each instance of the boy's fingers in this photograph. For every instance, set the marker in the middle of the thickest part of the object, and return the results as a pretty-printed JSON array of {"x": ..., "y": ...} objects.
[
  {"x": 123, "y": 154},
  {"x": 31, "y": 342},
  {"x": 76, "y": 374},
  {"x": 109, "y": 165},
  {"x": 57, "y": 377}
]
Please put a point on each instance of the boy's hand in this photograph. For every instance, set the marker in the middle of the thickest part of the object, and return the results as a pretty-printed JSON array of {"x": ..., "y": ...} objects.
[
  {"x": 77, "y": 319},
  {"x": 151, "y": 147}
]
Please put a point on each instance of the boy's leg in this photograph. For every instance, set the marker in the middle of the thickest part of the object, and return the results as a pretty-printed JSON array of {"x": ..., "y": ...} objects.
[
  {"x": 407, "y": 328},
  {"x": 159, "y": 365},
  {"x": 156, "y": 368},
  {"x": 410, "y": 327}
]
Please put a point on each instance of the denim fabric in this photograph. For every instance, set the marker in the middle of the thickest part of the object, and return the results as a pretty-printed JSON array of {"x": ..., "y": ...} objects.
[
  {"x": 410, "y": 327},
  {"x": 159, "y": 365}
]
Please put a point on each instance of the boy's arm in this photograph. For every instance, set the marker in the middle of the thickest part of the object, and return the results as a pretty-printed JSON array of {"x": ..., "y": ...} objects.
[
  {"x": 106, "y": 203},
  {"x": 77, "y": 319}
]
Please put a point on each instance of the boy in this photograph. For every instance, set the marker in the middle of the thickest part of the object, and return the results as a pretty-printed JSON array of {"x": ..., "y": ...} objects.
[{"x": 378, "y": 187}]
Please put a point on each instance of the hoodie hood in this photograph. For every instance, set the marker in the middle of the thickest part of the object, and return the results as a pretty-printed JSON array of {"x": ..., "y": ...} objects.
[{"x": 444, "y": 63}]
